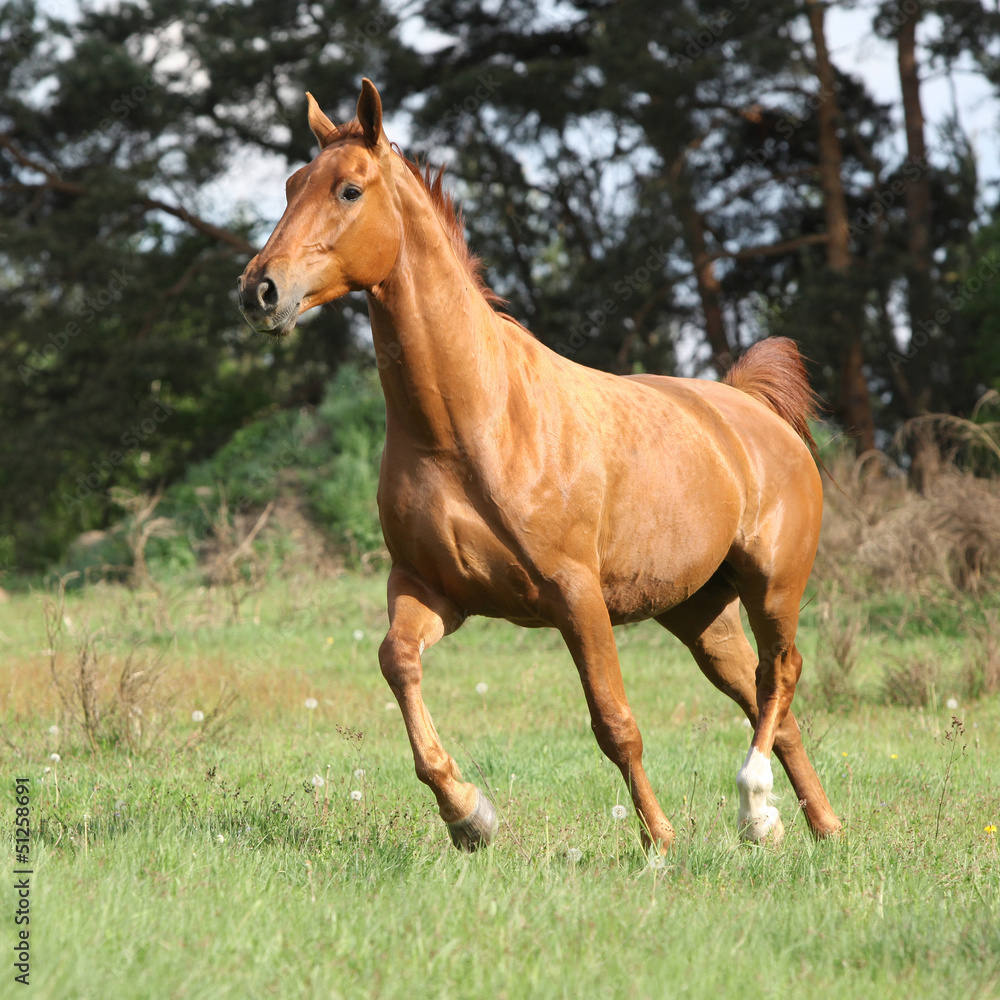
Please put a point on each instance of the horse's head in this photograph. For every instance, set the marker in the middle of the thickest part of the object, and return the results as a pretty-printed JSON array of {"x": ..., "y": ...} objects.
[{"x": 340, "y": 231}]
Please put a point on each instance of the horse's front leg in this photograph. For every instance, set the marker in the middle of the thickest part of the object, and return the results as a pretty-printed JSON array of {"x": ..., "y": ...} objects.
[
  {"x": 586, "y": 628},
  {"x": 418, "y": 618}
]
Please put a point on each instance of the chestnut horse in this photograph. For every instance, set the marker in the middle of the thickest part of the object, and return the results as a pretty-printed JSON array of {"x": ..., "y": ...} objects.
[{"x": 520, "y": 485}]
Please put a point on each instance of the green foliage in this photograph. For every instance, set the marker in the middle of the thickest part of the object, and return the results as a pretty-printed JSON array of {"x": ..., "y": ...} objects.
[
  {"x": 981, "y": 285},
  {"x": 341, "y": 463},
  {"x": 327, "y": 456},
  {"x": 125, "y": 358}
]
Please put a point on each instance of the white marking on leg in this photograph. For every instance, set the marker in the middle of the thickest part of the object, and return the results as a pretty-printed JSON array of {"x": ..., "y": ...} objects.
[{"x": 758, "y": 818}]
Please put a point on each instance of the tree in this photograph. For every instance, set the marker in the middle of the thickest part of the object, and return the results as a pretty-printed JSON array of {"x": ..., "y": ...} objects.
[{"x": 125, "y": 357}]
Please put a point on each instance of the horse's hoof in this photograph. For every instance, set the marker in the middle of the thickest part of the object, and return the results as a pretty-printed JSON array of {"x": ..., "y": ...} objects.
[
  {"x": 758, "y": 821},
  {"x": 478, "y": 828},
  {"x": 764, "y": 829}
]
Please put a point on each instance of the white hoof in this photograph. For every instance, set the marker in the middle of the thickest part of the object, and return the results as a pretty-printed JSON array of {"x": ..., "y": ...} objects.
[
  {"x": 758, "y": 818},
  {"x": 767, "y": 827}
]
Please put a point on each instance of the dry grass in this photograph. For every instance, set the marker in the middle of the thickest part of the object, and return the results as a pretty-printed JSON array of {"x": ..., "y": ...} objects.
[
  {"x": 945, "y": 535},
  {"x": 841, "y": 643},
  {"x": 912, "y": 682},
  {"x": 981, "y": 674},
  {"x": 114, "y": 697},
  {"x": 950, "y": 534},
  {"x": 111, "y": 685}
]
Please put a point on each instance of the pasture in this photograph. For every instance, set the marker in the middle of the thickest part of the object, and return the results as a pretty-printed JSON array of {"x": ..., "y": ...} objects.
[{"x": 263, "y": 848}]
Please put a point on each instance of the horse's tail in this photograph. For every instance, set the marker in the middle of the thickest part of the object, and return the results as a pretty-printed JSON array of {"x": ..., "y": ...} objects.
[{"x": 773, "y": 372}]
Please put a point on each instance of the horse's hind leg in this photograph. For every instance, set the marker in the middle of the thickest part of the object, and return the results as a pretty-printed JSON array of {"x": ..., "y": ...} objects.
[
  {"x": 708, "y": 623},
  {"x": 417, "y": 619}
]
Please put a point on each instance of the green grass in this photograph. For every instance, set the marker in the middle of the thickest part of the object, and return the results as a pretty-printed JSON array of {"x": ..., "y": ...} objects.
[{"x": 214, "y": 868}]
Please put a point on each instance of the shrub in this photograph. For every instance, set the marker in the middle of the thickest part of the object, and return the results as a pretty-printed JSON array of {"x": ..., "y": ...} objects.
[{"x": 323, "y": 461}]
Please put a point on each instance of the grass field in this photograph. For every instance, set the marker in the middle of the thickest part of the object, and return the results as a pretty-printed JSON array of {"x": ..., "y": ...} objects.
[{"x": 177, "y": 856}]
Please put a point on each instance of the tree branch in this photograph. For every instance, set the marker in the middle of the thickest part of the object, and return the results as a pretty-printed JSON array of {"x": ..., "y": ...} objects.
[
  {"x": 216, "y": 232},
  {"x": 772, "y": 249},
  {"x": 56, "y": 183},
  {"x": 53, "y": 180}
]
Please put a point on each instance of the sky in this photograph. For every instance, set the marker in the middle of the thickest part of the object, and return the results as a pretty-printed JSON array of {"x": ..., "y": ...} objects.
[{"x": 857, "y": 50}]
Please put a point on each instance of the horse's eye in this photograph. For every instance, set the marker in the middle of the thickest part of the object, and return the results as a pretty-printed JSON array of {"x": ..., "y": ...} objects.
[{"x": 351, "y": 193}]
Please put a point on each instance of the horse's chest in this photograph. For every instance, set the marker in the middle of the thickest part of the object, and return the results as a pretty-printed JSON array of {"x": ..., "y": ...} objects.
[{"x": 458, "y": 542}]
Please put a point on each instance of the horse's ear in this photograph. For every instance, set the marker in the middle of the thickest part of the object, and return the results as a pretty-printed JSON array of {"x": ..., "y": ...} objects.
[
  {"x": 324, "y": 129},
  {"x": 370, "y": 112}
]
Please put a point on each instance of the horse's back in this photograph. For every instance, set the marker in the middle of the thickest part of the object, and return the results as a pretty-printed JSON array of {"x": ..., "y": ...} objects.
[{"x": 771, "y": 445}]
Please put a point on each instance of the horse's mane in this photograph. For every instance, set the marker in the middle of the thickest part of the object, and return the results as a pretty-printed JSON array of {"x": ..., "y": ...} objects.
[{"x": 449, "y": 214}]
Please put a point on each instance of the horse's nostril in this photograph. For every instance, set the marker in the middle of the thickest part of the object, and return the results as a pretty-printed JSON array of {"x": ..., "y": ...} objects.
[{"x": 267, "y": 294}]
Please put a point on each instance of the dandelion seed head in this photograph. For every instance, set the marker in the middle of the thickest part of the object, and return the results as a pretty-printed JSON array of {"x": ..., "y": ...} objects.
[
  {"x": 317, "y": 780},
  {"x": 220, "y": 838},
  {"x": 53, "y": 730},
  {"x": 55, "y": 758},
  {"x": 120, "y": 804},
  {"x": 311, "y": 703},
  {"x": 46, "y": 771},
  {"x": 655, "y": 860},
  {"x": 359, "y": 773},
  {"x": 952, "y": 703},
  {"x": 356, "y": 795},
  {"x": 357, "y": 635},
  {"x": 197, "y": 716},
  {"x": 618, "y": 812},
  {"x": 573, "y": 854},
  {"x": 482, "y": 687}
]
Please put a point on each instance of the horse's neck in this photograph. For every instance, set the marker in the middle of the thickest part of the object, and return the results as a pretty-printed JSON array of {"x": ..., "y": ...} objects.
[{"x": 436, "y": 339}]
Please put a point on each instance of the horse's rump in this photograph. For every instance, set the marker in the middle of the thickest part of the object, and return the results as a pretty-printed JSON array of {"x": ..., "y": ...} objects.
[{"x": 773, "y": 372}]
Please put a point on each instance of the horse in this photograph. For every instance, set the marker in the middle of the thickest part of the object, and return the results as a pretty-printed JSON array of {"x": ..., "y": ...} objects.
[{"x": 517, "y": 484}]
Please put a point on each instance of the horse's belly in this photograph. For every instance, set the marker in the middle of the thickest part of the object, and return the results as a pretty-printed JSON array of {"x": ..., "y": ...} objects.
[{"x": 638, "y": 598}]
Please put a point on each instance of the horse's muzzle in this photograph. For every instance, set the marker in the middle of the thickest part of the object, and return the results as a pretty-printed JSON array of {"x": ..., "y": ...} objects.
[{"x": 261, "y": 303}]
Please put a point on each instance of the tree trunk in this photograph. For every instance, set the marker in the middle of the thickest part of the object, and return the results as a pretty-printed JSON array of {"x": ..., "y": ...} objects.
[
  {"x": 854, "y": 403},
  {"x": 918, "y": 182},
  {"x": 708, "y": 292},
  {"x": 920, "y": 291}
]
